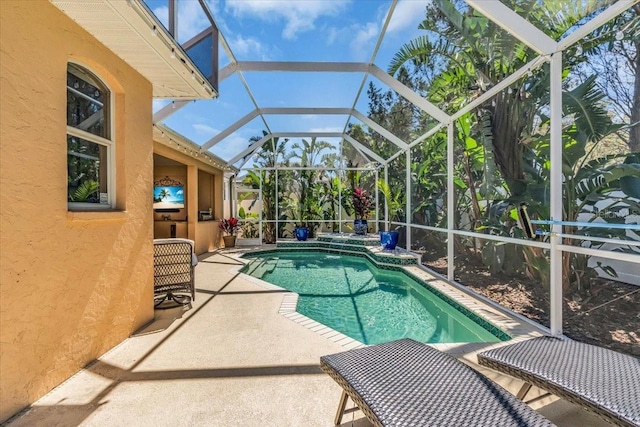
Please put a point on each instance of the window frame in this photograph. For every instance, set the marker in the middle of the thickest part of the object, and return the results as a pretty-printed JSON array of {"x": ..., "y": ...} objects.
[{"x": 109, "y": 143}]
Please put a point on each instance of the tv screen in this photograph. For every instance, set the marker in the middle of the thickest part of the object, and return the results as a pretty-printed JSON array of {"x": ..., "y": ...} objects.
[{"x": 168, "y": 197}]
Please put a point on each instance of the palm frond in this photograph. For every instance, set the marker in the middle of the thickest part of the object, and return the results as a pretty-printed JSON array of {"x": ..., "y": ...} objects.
[
  {"x": 417, "y": 49},
  {"x": 84, "y": 191}
]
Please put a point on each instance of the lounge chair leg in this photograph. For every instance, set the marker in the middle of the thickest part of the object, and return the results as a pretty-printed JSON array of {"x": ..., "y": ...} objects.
[
  {"x": 159, "y": 300},
  {"x": 341, "y": 406},
  {"x": 524, "y": 390}
]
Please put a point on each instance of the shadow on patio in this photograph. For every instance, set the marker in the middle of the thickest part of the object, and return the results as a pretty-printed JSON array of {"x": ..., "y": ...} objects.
[{"x": 229, "y": 360}]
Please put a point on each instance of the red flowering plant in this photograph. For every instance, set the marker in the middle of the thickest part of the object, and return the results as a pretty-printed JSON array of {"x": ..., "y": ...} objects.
[
  {"x": 229, "y": 226},
  {"x": 362, "y": 203}
]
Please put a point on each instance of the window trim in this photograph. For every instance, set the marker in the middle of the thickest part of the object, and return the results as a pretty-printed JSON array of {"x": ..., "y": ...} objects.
[{"x": 110, "y": 143}]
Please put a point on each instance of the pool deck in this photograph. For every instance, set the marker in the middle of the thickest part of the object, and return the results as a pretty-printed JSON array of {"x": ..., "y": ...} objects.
[{"x": 234, "y": 358}]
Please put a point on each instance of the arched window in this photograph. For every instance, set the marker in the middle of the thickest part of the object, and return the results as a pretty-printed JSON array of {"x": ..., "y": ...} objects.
[{"x": 89, "y": 143}]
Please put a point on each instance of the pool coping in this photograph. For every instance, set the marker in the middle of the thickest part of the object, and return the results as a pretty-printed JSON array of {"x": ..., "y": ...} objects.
[{"x": 486, "y": 310}]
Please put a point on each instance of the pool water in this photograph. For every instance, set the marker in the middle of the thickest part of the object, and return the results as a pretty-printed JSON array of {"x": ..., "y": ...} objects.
[{"x": 371, "y": 305}]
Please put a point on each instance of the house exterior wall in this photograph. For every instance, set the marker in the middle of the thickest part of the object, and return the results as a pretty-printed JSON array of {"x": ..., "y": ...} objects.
[
  {"x": 72, "y": 284},
  {"x": 205, "y": 234}
]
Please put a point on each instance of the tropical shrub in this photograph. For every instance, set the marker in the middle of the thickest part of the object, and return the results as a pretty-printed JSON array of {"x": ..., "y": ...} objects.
[
  {"x": 362, "y": 203},
  {"x": 229, "y": 226}
]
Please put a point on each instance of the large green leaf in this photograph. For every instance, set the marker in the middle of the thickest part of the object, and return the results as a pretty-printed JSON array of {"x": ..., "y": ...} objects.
[
  {"x": 84, "y": 191},
  {"x": 489, "y": 181},
  {"x": 592, "y": 120},
  {"x": 602, "y": 179}
]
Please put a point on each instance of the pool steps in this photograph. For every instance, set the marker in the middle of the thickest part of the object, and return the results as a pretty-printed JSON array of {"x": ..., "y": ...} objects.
[{"x": 367, "y": 245}]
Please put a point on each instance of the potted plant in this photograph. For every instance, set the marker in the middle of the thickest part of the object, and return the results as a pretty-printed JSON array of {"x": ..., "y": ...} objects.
[
  {"x": 230, "y": 227},
  {"x": 301, "y": 232},
  {"x": 389, "y": 238},
  {"x": 362, "y": 207}
]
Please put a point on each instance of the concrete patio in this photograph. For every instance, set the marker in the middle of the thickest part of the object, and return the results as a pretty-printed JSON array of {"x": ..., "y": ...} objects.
[{"x": 230, "y": 360}]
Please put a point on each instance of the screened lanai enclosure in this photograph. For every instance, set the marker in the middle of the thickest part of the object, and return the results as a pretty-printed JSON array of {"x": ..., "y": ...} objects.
[{"x": 490, "y": 111}]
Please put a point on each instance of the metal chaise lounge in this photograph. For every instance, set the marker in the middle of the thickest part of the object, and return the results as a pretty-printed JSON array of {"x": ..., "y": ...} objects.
[
  {"x": 600, "y": 380},
  {"x": 406, "y": 383}
]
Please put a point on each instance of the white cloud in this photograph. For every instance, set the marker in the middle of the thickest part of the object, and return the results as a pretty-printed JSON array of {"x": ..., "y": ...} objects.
[
  {"x": 326, "y": 129},
  {"x": 364, "y": 38},
  {"x": 335, "y": 34},
  {"x": 332, "y": 34},
  {"x": 162, "y": 13},
  {"x": 230, "y": 146},
  {"x": 213, "y": 7},
  {"x": 203, "y": 129},
  {"x": 242, "y": 46},
  {"x": 407, "y": 13},
  {"x": 191, "y": 18},
  {"x": 299, "y": 16}
]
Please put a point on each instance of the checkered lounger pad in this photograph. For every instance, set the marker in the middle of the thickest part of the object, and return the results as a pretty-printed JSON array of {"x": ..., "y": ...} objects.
[
  {"x": 406, "y": 383},
  {"x": 601, "y": 380}
]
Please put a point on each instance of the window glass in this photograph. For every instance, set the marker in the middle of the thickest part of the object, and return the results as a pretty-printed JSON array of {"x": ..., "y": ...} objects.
[
  {"x": 86, "y": 102},
  {"x": 86, "y": 167},
  {"x": 89, "y": 149}
]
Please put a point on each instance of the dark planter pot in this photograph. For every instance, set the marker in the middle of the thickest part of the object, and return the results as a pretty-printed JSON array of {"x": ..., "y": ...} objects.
[
  {"x": 389, "y": 239},
  {"x": 302, "y": 233},
  {"x": 360, "y": 226},
  {"x": 229, "y": 241}
]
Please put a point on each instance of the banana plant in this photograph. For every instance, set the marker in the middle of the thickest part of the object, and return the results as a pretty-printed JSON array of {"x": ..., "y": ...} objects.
[
  {"x": 462, "y": 54},
  {"x": 590, "y": 183}
]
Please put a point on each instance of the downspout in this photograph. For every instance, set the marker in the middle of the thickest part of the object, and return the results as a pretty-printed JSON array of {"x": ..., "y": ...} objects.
[{"x": 231, "y": 193}]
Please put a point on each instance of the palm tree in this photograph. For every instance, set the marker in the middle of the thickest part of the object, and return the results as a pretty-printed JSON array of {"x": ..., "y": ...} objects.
[
  {"x": 272, "y": 154},
  {"x": 309, "y": 185},
  {"x": 164, "y": 193}
]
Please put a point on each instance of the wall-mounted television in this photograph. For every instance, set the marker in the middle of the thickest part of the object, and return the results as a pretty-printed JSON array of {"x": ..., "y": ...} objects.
[{"x": 168, "y": 197}]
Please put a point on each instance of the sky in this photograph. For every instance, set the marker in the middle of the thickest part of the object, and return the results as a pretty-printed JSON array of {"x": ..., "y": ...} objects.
[{"x": 288, "y": 30}]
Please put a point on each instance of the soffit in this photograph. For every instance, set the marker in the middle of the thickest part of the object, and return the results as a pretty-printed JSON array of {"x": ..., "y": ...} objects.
[
  {"x": 182, "y": 144},
  {"x": 126, "y": 28}
]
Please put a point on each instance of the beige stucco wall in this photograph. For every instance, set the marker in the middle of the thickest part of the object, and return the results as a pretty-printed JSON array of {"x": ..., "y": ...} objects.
[
  {"x": 205, "y": 234},
  {"x": 72, "y": 286}
]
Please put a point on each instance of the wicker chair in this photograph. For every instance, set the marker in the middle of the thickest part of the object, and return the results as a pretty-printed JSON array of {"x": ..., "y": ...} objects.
[
  {"x": 173, "y": 264},
  {"x": 406, "y": 383},
  {"x": 600, "y": 380}
]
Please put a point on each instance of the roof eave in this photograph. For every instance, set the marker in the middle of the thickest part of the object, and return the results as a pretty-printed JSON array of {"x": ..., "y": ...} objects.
[{"x": 133, "y": 33}]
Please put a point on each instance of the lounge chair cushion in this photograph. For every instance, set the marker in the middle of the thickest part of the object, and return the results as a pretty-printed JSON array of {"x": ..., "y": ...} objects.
[
  {"x": 601, "y": 380},
  {"x": 406, "y": 383}
]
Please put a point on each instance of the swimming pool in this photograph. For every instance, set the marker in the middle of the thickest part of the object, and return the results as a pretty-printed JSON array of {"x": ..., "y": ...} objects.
[{"x": 369, "y": 304}]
